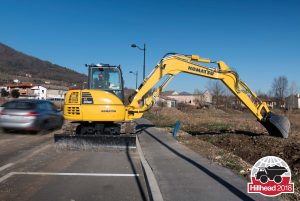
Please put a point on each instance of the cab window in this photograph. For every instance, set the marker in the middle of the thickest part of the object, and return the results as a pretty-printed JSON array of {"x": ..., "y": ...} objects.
[{"x": 106, "y": 78}]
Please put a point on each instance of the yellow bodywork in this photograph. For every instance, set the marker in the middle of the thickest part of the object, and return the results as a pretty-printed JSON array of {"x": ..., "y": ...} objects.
[
  {"x": 107, "y": 107},
  {"x": 104, "y": 106}
]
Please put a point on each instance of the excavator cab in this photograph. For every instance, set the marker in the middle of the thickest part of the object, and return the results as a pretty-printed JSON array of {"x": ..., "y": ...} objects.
[
  {"x": 97, "y": 111},
  {"x": 107, "y": 78}
]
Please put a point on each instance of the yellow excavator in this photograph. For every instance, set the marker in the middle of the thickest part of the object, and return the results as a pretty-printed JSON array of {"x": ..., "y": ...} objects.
[{"x": 100, "y": 113}]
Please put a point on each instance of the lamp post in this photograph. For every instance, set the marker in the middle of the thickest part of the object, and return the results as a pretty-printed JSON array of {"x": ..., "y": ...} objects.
[
  {"x": 136, "y": 77},
  {"x": 143, "y": 49},
  {"x": 83, "y": 85}
]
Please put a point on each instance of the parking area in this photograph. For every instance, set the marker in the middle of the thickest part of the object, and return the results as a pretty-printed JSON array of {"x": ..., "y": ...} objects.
[{"x": 33, "y": 168}]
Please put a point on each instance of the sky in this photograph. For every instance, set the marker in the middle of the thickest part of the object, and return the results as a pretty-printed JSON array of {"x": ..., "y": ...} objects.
[{"x": 260, "y": 39}]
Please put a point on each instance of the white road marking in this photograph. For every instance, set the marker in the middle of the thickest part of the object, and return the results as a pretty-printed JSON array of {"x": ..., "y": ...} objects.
[
  {"x": 77, "y": 174},
  {"x": 66, "y": 174},
  {"x": 6, "y": 176},
  {"x": 6, "y": 166}
]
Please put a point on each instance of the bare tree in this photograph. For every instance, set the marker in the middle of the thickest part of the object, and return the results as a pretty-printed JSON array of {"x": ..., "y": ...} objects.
[
  {"x": 262, "y": 95},
  {"x": 292, "y": 99},
  {"x": 199, "y": 98},
  {"x": 227, "y": 93},
  {"x": 280, "y": 89},
  {"x": 294, "y": 89},
  {"x": 4, "y": 93},
  {"x": 217, "y": 89},
  {"x": 15, "y": 93}
]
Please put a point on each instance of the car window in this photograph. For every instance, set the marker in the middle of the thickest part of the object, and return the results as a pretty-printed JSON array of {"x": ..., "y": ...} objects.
[
  {"x": 41, "y": 106},
  {"x": 47, "y": 106},
  {"x": 9, "y": 104},
  {"x": 54, "y": 108},
  {"x": 23, "y": 105}
]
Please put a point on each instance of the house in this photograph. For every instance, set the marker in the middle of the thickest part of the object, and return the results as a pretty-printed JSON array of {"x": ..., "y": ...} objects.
[
  {"x": 24, "y": 89},
  {"x": 165, "y": 101},
  {"x": 169, "y": 93},
  {"x": 204, "y": 97},
  {"x": 270, "y": 103},
  {"x": 193, "y": 99},
  {"x": 188, "y": 99},
  {"x": 39, "y": 92},
  {"x": 36, "y": 92},
  {"x": 293, "y": 101},
  {"x": 174, "y": 97},
  {"x": 55, "y": 94}
]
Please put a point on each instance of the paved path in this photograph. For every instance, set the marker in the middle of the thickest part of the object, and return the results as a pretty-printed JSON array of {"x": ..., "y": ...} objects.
[
  {"x": 32, "y": 168},
  {"x": 184, "y": 175}
]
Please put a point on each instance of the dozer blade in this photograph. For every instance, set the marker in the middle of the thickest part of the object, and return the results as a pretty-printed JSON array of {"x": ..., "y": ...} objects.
[
  {"x": 94, "y": 142},
  {"x": 276, "y": 125}
]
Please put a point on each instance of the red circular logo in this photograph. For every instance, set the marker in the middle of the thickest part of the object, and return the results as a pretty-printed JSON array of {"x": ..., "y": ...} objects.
[{"x": 270, "y": 176}]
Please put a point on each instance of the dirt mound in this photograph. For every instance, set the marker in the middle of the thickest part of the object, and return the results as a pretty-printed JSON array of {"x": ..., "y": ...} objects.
[{"x": 252, "y": 148}]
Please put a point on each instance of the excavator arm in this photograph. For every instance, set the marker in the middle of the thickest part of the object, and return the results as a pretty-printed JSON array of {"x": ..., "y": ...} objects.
[{"x": 172, "y": 64}]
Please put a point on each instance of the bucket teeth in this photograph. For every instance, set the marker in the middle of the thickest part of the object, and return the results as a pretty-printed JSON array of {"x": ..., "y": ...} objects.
[{"x": 276, "y": 125}]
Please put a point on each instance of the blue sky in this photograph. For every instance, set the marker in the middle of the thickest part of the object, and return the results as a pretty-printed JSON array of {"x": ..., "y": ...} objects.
[{"x": 260, "y": 39}]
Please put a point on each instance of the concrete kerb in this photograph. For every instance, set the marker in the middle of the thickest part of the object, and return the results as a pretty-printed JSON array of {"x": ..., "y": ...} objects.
[{"x": 152, "y": 185}]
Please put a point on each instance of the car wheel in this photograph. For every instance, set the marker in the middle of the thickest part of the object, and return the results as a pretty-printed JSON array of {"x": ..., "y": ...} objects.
[
  {"x": 33, "y": 132},
  {"x": 43, "y": 127},
  {"x": 6, "y": 130},
  {"x": 61, "y": 123}
]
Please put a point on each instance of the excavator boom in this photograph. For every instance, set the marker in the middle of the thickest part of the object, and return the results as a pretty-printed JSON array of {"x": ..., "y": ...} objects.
[{"x": 173, "y": 64}]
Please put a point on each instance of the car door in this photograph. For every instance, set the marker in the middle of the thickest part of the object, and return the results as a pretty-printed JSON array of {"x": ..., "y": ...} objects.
[
  {"x": 47, "y": 117},
  {"x": 55, "y": 115}
]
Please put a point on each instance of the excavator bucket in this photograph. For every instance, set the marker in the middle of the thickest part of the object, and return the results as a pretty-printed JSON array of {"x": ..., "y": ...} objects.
[
  {"x": 276, "y": 125},
  {"x": 94, "y": 142}
]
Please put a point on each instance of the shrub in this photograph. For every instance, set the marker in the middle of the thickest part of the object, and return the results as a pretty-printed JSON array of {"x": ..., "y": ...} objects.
[
  {"x": 15, "y": 93},
  {"x": 4, "y": 93}
]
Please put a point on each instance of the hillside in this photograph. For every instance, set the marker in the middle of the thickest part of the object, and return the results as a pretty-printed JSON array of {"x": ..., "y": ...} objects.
[{"x": 15, "y": 65}]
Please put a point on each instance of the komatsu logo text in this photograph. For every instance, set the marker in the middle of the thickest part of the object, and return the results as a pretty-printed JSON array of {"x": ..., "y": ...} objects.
[
  {"x": 208, "y": 72},
  {"x": 108, "y": 111}
]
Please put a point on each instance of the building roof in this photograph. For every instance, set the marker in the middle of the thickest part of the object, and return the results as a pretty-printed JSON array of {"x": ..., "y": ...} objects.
[
  {"x": 37, "y": 87},
  {"x": 184, "y": 93},
  {"x": 167, "y": 98},
  {"x": 17, "y": 85},
  {"x": 169, "y": 93}
]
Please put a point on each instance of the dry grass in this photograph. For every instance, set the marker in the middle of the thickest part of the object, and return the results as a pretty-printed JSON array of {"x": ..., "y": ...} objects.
[
  {"x": 214, "y": 120},
  {"x": 234, "y": 134}
]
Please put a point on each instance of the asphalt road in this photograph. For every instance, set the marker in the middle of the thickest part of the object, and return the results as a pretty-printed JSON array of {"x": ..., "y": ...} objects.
[
  {"x": 182, "y": 174},
  {"x": 33, "y": 168}
]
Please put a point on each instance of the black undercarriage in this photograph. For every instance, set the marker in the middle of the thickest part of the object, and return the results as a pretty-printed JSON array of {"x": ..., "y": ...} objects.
[{"x": 98, "y": 128}]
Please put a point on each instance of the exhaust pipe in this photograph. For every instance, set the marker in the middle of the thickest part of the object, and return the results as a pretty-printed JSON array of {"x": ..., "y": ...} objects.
[{"x": 276, "y": 125}]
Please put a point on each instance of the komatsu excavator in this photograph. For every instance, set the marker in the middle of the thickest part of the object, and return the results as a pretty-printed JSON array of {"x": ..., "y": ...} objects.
[{"x": 100, "y": 112}]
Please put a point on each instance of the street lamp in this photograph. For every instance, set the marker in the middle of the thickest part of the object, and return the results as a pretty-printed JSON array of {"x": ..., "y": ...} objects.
[
  {"x": 83, "y": 85},
  {"x": 136, "y": 77},
  {"x": 143, "y": 49}
]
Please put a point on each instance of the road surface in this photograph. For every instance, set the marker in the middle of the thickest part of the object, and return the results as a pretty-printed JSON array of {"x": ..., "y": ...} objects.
[
  {"x": 33, "y": 168},
  {"x": 182, "y": 174}
]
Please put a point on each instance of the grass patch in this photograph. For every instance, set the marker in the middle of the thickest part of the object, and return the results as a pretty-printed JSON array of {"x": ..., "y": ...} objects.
[
  {"x": 234, "y": 165},
  {"x": 218, "y": 127},
  {"x": 160, "y": 120}
]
